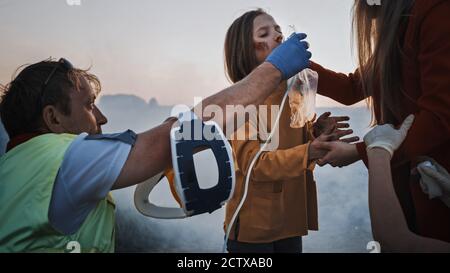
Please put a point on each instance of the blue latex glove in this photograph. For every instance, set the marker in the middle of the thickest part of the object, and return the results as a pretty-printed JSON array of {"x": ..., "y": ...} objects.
[{"x": 292, "y": 56}]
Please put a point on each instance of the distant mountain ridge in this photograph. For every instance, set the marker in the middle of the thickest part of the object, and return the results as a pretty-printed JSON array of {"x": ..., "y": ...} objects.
[{"x": 132, "y": 112}]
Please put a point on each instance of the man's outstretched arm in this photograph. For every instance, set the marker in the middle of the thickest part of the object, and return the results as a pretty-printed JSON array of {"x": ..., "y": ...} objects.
[{"x": 151, "y": 153}]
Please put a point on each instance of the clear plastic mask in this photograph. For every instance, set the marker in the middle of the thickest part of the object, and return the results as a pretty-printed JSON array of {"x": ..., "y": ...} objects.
[{"x": 302, "y": 94}]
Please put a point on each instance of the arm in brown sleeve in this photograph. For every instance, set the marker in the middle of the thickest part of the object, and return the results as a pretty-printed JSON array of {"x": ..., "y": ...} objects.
[{"x": 340, "y": 87}]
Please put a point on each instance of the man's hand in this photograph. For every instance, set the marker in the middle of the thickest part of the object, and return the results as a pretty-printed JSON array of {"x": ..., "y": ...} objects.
[
  {"x": 292, "y": 56},
  {"x": 339, "y": 153},
  {"x": 387, "y": 137}
]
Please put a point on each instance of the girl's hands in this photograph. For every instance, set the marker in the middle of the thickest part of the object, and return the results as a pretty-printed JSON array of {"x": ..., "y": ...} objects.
[
  {"x": 326, "y": 124},
  {"x": 338, "y": 154},
  {"x": 341, "y": 154},
  {"x": 317, "y": 149}
]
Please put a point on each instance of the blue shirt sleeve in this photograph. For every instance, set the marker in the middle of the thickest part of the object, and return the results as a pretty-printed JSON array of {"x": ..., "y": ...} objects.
[{"x": 89, "y": 170}]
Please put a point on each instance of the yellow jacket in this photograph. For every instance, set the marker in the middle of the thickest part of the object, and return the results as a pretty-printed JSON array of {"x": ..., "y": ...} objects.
[{"x": 282, "y": 199}]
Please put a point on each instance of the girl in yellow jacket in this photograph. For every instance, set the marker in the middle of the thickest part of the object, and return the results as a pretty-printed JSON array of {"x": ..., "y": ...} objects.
[{"x": 281, "y": 204}]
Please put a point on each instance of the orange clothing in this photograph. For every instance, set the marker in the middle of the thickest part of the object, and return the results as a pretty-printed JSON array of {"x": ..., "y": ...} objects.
[
  {"x": 426, "y": 84},
  {"x": 281, "y": 201}
]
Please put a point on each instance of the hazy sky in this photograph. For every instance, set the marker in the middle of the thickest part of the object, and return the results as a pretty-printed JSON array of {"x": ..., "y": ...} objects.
[{"x": 168, "y": 49}]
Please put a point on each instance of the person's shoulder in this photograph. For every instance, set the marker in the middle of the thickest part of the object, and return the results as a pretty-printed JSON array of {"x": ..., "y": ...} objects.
[
  {"x": 423, "y": 8},
  {"x": 128, "y": 137},
  {"x": 428, "y": 17},
  {"x": 86, "y": 146}
]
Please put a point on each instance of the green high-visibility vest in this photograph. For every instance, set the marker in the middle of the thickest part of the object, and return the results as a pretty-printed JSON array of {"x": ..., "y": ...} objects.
[{"x": 27, "y": 176}]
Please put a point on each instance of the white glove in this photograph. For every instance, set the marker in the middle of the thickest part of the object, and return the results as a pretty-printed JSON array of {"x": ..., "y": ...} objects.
[{"x": 387, "y": 137}]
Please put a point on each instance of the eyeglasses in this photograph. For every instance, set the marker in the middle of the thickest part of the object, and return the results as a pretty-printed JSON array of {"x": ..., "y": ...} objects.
[{"x": 61, "y": 63}]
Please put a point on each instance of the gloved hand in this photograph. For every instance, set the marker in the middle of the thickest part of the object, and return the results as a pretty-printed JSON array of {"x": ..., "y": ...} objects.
[
  {"x": 387, "y": 137},
  {"x": 292, "y": 56},
  {"x": 434, "y": 180}
]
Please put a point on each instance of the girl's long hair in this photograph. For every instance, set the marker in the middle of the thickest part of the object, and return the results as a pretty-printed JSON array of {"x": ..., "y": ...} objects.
[
  {"x": 240, "y": 56},
  {"x": 378, "y": 32}
]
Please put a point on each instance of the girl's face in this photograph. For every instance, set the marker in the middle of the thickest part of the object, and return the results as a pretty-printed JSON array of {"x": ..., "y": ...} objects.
[{"x": 267, "y": 35}]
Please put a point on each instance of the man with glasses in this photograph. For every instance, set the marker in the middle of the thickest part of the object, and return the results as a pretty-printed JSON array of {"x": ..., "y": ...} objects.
[{"x": 59, "y": 168}]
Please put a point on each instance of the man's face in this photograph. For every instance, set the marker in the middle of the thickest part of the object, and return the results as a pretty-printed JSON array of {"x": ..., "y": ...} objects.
[{"x": 84, "y": 115}]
